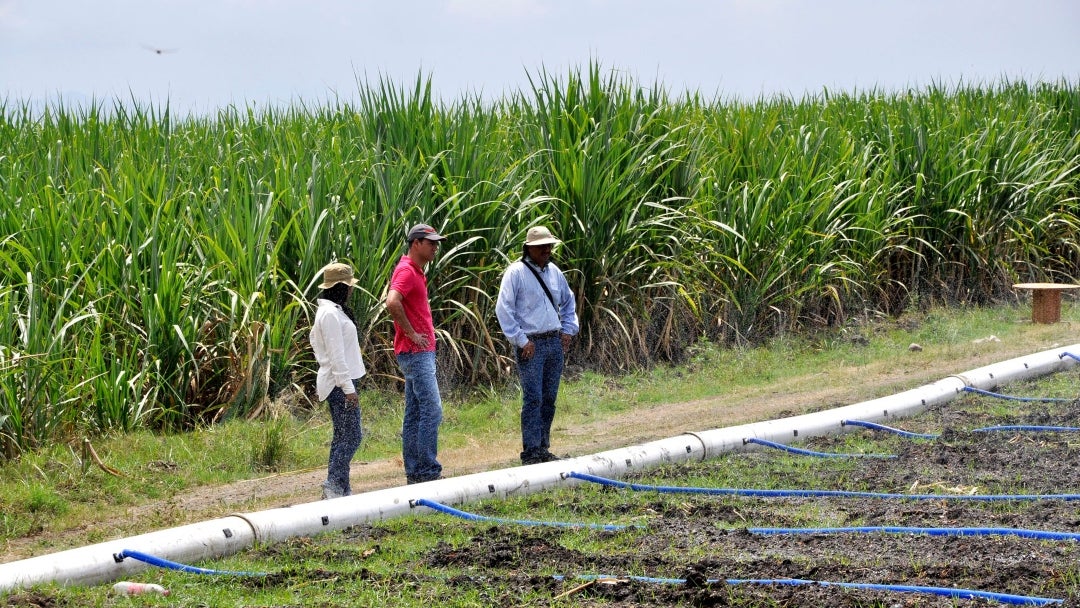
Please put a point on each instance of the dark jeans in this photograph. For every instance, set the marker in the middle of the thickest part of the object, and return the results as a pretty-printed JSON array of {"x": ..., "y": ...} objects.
[
  {"x": 540, "y": 377},
  {"x": 423, "y": 413},
  {"x": 346, "y": 440}
]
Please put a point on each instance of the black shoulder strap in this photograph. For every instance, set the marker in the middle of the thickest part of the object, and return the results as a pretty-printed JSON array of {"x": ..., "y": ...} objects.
[{"x": 547, "y": 292}]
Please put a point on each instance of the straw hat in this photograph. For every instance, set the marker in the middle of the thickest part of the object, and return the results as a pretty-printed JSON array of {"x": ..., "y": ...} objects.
[
  {"x": 539, "y": 235},
  {"x": 337, "y": 273}
]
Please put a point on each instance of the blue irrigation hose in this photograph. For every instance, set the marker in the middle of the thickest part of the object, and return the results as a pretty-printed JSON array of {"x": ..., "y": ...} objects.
[
  {"x": 164, "y": 563},
  {"x": 814, "y": 493},
  {"x": 1027, "y": 427},
  {"x": 1004, "y": 598},
  {"x": 1068, "y": 354},
  {"x": 882, "y": 427},
  {"x": 1018, "y": 532},
  {"x": 979, "y": 391},
  {"x": 423, "y": 502},
  {"x": 1006, "y": 427},
  {"x": 793, "y": 450}
]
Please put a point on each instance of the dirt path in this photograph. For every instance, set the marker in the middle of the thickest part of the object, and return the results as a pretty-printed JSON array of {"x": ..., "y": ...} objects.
[
  {"x": 826, "y": 388},
  {"x": 819, "y": 390}
]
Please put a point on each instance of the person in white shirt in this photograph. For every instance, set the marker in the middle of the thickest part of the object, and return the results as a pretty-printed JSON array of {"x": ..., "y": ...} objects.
[
  {"x": 337, "y": 350},
  {"x": 538, "y": 315}
]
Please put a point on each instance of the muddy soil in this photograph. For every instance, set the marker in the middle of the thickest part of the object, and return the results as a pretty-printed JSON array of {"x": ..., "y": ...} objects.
[{"x": 704, "y": 540}]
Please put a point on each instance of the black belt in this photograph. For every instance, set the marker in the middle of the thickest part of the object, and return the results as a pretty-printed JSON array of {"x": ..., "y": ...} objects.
[{"x": 543, "y": 335}]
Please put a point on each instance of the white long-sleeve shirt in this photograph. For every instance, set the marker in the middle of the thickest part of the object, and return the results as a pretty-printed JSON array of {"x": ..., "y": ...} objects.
[{"x": 337, "y": 349}]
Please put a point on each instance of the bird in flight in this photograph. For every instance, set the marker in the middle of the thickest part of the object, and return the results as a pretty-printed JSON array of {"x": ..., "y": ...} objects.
[{"x": 158, "y": 50}]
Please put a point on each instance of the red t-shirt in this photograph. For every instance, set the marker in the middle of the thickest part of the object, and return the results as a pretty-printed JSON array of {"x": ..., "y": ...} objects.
[{"x": 409, "y": 280}]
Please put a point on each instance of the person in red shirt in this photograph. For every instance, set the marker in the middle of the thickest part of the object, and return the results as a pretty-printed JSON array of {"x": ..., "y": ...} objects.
[{"x": 414, "y": 348}]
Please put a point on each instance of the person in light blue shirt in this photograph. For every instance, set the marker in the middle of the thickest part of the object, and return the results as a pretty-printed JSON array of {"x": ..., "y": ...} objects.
[{"x": 538, "y": 315}]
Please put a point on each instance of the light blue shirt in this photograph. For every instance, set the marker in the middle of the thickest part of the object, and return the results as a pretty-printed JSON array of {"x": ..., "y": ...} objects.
[{"x": 523, "y": 308}]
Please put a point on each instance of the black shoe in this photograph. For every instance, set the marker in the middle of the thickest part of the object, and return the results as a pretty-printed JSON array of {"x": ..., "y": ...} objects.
[
  {"x": 532, "y": 457},
  {"x": 419, "y": 479},
  {"x": 547, "y": 456},
  {"x": 538, "y": 456}
]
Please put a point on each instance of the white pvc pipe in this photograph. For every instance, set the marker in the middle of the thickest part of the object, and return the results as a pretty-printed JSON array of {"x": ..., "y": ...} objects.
[{"x": 98, "y": 563}]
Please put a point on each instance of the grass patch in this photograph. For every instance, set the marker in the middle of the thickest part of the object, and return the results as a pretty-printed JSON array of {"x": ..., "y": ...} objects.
[
  {"x": 156, "y": 465},
  {"x": 393, "y": 561}
]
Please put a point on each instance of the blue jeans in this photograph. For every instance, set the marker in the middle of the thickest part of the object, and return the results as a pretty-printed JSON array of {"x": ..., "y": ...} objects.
[
  {"x": 423, "y": 413},
  {"x": 346, "y": 440},
  {"x": 540, "y": 375}
]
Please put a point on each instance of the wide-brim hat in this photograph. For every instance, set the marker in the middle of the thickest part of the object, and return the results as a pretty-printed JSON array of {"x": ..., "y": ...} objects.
[
  {"x": 539, "y": 235},
  {"x": 423, "y": 231},
  {"x": 337, "y": 273}
]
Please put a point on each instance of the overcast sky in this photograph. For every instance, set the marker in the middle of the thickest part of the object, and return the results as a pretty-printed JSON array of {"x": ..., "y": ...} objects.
[{"x": 203, "y": 54}]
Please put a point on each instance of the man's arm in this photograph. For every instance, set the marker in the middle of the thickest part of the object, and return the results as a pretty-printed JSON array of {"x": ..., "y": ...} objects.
[
  {"x": 567, "y": 312},
  {"x": 396, "y": 309},
  {"x": 568, "y": 307},
  {"x": 508, "y": 322}
]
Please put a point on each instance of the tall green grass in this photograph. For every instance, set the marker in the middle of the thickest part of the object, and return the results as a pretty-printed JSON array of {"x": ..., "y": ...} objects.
[{"x": 159, "y": 270}]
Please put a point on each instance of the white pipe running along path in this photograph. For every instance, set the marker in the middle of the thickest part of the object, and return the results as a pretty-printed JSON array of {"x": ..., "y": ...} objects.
[{"x": 216, "y": 538}]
